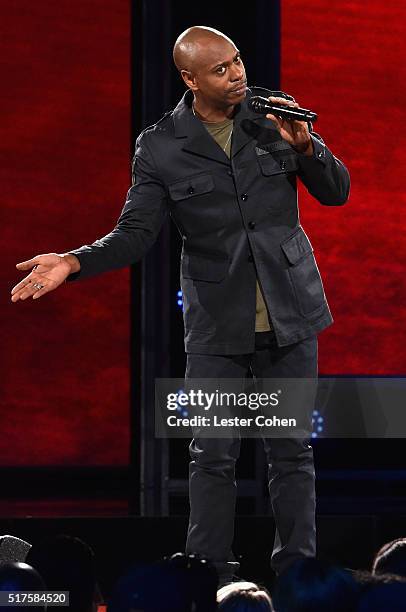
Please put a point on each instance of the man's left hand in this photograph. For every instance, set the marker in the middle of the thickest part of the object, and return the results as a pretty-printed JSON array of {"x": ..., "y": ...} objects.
[{"x": 296, "y": 133}]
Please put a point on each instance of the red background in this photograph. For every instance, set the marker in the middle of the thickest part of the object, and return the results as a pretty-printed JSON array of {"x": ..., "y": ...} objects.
[
  {"x": 65, "y": 148},
  {"x": 65, "y": 151},
  {"x": 346, "y": 61}
]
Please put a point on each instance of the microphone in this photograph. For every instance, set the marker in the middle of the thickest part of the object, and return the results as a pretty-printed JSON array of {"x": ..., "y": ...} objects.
[{"x": 263, "y": 106}]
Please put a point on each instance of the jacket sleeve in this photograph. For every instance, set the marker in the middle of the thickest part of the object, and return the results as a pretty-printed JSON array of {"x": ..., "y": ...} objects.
[
  {"x": 138, "y": 226},
  {"x": 324, "y": 176}
]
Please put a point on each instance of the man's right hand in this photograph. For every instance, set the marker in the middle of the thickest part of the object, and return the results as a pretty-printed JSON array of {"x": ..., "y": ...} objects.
[{"x": 48, "y": 272}]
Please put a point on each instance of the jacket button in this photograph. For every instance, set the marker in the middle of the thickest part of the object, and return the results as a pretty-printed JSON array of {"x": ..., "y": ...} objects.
[
  {"x": 244, "y": 197},
  {"x": 251, "y": 224},
  {"x": 230, "y": 172},
  {"x": 250, "y": 258},
  {"x": 190, "y": 190}
]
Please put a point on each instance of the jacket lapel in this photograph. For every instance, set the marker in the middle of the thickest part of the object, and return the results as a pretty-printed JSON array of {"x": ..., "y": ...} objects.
[
  {"x": 241, "y": 136},
  {"x": 249, "y": 126},
  {"x": 197, "y": 140}
]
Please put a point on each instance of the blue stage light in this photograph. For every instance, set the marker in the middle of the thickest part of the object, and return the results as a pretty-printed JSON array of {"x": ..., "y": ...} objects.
[
  {"x": 179, "y": 300},
  {"x": 318, "y": 424}
]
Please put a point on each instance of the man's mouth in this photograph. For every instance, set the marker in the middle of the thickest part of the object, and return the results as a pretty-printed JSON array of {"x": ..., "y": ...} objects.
[{"x": 240, "y": 89}]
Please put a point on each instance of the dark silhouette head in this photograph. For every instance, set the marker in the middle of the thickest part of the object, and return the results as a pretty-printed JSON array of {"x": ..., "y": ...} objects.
[
  {"x": 180, "y": 584},
  {"x": 390, "y": 597},
  {"x": 312, "y": 586},
  {"x": 391, "y": 558},
  {"x": 244, "y": 597},
  {"x": 67, "y": 563},
  {"x": 17, "y": 576}
]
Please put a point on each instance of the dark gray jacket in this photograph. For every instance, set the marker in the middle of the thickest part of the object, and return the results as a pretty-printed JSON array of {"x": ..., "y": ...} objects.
[{"x": 238, "y": 219}]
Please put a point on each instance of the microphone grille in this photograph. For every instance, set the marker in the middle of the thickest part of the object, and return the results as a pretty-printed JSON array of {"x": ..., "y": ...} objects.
[{"x": 257, "y": 104}]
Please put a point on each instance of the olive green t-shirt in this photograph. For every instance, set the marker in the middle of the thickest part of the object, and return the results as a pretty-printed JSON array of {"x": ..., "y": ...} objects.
[{"x": 222, "y": 134}]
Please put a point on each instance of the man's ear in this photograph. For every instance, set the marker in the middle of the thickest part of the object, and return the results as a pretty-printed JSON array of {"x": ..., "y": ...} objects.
[{"x": 189, "y": 79}]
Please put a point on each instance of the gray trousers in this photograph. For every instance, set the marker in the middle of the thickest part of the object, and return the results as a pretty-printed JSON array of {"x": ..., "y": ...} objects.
[{"x": 212, "y": 484}]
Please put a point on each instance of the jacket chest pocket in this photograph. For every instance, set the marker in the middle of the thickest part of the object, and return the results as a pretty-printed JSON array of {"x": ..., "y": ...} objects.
[
  {"x": 304, "y": 273},
  {"x": 191, "y": 187},
  {"x": 281, "y": 170},
  {"x": 195, "y": 206},
  {"x": 283, "y": 164}
]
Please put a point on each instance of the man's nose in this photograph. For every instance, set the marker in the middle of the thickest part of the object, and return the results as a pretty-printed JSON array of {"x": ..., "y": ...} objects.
[{"x": 237, "y": 74}]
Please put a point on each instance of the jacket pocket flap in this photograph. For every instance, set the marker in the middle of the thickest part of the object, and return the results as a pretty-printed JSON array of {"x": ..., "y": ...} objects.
[
  {"x": 271, "y": 165},
  {"x": 296, "y": 246},
  {"x": 202, "y": 267},
  {"x": 190, "y": 187}
]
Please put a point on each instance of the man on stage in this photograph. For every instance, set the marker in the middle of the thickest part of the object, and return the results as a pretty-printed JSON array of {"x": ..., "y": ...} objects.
[{"x": 253, "y": 297}]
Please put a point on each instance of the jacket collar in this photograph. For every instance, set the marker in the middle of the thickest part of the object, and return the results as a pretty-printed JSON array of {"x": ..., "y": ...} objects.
[{"x": 199, "y": 141}]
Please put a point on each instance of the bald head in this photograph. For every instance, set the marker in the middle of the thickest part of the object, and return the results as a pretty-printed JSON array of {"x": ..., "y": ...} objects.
[
  {"x": 192, "y": 45},
  {"x": 210, "y": 65}
]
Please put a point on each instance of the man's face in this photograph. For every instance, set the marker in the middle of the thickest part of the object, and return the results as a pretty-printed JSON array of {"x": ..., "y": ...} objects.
[{"x": 219, "y": 73}]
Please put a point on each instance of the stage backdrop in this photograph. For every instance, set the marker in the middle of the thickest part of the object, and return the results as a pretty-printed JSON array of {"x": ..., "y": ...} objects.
[
  {"x": 65, "y": 149},
  {"x": 345, "y": 60},
  {"x": 65, "y": 154}
]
